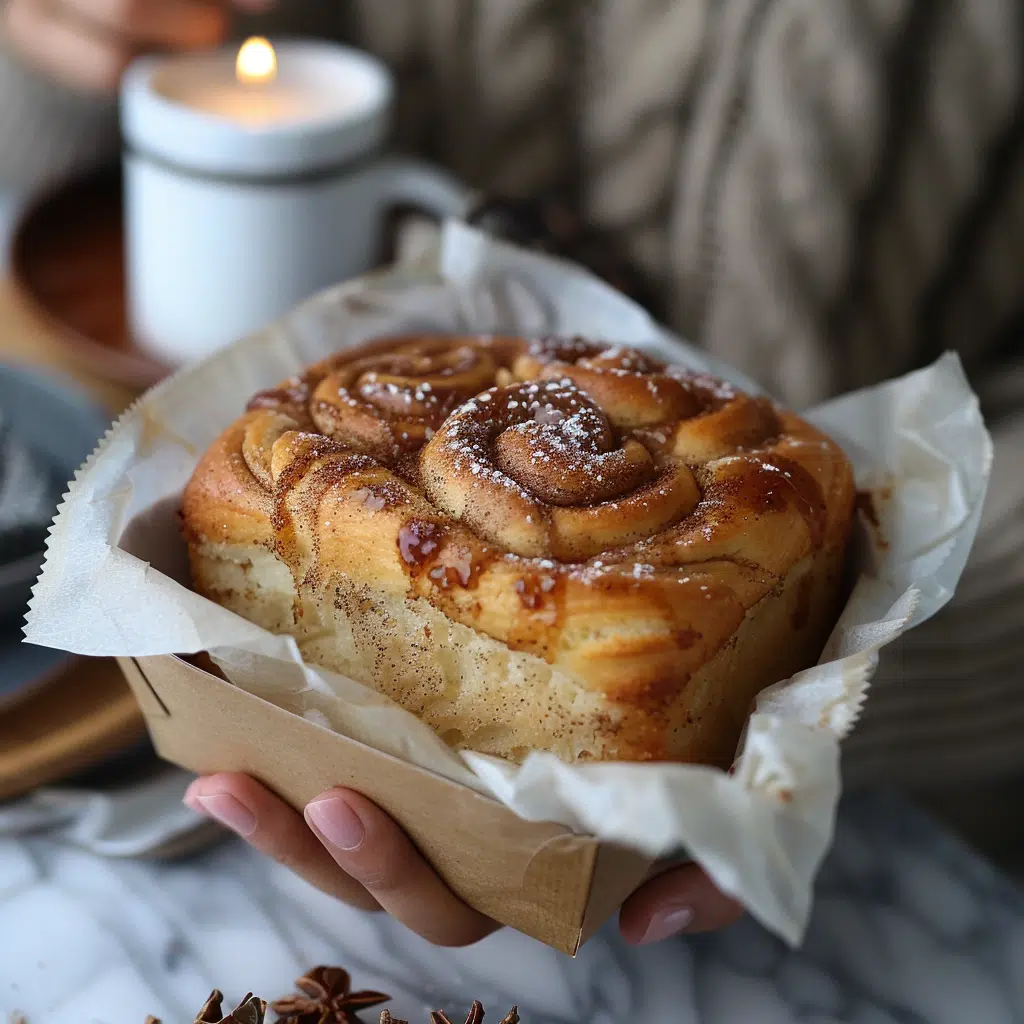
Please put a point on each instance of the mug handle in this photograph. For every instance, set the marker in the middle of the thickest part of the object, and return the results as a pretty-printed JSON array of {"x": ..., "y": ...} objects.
[
  {"x": 407, "y": 186},
  {"x": 422, "y": 186}
]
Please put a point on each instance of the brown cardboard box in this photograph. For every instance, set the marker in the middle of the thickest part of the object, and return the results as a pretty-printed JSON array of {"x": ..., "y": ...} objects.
[{"x": 536, "y": 877}]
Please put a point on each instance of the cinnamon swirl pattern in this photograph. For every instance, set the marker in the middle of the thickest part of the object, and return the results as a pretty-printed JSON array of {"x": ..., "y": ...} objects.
[{"x": 553, "y": 544}]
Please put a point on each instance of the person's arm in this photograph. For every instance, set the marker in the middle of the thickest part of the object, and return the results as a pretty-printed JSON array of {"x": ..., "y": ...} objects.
[{"x": 60, "y": 65}]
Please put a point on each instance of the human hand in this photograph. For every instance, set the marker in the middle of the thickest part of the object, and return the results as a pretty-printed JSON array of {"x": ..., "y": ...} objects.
[
  {"x": 349, "y": 848},
  {"x": 87, "y": 44}
]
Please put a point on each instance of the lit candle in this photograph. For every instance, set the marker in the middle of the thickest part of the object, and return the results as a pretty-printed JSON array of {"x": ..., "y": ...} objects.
[
  {"x": 253, "y": 178},
  {"x": 251, "y": 111},
  {"x": 256, "y": 63},
  {"x": 256, "y": 95}
]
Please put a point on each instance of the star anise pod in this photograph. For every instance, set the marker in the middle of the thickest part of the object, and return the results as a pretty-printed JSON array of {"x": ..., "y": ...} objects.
[
  {"x": 326, "y": 999},
  {"x": 476, "y": 1015},
  {"x": 250, "y": 1010},
  {"x": 386, "y": 1018}
]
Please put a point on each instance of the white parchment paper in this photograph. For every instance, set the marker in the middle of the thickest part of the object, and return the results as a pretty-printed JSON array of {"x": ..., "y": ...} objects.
[{"x": 115, "y": 580}]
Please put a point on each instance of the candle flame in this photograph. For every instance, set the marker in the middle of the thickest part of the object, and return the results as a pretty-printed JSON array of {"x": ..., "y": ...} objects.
[{"x": 257, "y": 62}]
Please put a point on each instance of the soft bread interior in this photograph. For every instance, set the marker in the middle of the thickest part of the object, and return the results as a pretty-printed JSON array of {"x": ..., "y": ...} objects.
[{"x": 479, "y": 694}]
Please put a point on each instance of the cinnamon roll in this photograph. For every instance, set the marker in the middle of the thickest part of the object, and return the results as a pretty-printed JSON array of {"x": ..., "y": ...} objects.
[{"x": 551, "y": 545}]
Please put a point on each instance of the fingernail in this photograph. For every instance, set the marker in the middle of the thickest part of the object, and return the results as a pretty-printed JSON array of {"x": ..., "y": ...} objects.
[
  {"x": 666, "y": 923},
  {"x": 336, "y": 822},
  {"x": 223, "y": 807}
]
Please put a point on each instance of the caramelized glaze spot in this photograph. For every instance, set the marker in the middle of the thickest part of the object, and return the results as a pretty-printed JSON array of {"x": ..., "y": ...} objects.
[
  {"x": 294, "y": 391},
  {"x": 533, "y": 590},
  {"x": 419, "y": 541}
]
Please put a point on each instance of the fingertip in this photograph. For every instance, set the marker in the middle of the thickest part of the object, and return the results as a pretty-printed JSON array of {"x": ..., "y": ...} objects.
[
  {"x": 361, "y": 805},
  {"x": 666, "y": 922},
  {"x": 217, "y": 782},
  {"x": 189, "y": 796},
  {"x": 370, "y": 846},
  {"x": 335, "y": 818},
  {"x": 229, "y": 811},
  {"x": 235, "y": 800},
  {"x": 682, "y": 901}
]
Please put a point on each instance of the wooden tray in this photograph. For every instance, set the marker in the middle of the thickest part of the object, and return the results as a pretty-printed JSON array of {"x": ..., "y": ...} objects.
[
  {"x": 67, "y": 260},
  {"x": 76, "y": 721},
  {"x": 86, "y": 713}
]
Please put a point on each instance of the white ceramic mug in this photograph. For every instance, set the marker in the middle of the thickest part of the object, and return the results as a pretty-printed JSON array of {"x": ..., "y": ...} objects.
[{"x": 228, "y": 227}]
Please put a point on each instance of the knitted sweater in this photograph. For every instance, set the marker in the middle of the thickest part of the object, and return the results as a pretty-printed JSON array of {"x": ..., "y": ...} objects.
[{"x": 824, "y": 194}]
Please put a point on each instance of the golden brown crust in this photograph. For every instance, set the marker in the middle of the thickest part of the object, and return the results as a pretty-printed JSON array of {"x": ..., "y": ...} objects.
[{"x": 667, "y": 544}]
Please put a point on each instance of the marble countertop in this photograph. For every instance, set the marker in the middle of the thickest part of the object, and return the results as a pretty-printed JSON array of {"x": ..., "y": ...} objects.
[{"x": 909, "y": 926}]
